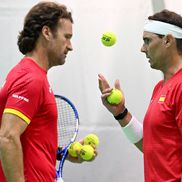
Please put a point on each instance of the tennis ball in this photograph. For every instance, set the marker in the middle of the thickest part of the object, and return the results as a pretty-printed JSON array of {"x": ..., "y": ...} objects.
[
  {"x": 91, "y": 139},
  {"x": 115, "y": 97},
  {"x": 87, "y": 152},
  {"x": 108, "y": 39},
  {"x": 74, "y": 148}
]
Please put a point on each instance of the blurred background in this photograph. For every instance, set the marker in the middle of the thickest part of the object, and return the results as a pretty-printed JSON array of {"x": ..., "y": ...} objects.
[{"x": 118, "y": 160}]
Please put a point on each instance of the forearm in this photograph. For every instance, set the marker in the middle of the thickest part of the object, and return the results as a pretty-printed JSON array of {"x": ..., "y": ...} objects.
[
  {"x": 130, "y": 126},
  {"x": 125, "y": 120},
  {"x": 136, "y": 132},
  {"x": 12, "y": 159}
]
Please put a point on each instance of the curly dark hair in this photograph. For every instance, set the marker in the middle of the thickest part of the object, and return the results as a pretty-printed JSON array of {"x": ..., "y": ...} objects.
[
  {"x": 172, "y": 18},
  {"x": 43, "y": 13}
]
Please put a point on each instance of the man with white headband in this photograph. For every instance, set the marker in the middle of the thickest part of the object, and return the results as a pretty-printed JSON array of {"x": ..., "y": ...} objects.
[{"x": 160, "y": 136}]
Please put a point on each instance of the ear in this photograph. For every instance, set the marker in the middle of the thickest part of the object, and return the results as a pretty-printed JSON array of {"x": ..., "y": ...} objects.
[
  {"x": 168, "y": 40},
  {"x": 46, "y": 32}
]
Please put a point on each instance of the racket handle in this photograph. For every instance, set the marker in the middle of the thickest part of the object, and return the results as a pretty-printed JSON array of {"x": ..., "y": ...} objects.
[{"x": 59, "y": 180}]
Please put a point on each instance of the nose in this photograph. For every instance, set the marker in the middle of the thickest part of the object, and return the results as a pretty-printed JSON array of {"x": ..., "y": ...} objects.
[
  {"x": 69, "y": 46},
  {"x": 143, "y": 49}
]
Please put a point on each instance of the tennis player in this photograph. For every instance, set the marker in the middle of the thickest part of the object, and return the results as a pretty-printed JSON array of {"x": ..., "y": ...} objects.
[
  {"x": 28, "y": 115},
  {"x": 160, "y": 136}
]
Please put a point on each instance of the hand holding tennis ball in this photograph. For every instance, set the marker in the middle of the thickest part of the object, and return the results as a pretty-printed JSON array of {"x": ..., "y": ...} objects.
[
  {"x": 74, "y": 148},
  {"x": 87, "y": 152},
  {"x": 108, "y": 39},
  {"x": 115, "y": 97},
  {"x": 91, "y": 139}
]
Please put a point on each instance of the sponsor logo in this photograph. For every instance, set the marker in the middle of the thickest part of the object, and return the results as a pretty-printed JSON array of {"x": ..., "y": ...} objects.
[{"x": 20, "y": 97}]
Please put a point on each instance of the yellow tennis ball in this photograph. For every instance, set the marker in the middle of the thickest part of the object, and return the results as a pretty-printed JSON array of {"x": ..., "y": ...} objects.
[
  {"x": 108, "y": 39},
  {"x": 91, "y": 139},
  {"x": 87, "y": 152},
  {"x": 115, "y": 97},
  {"x": 74, "y": 148}
]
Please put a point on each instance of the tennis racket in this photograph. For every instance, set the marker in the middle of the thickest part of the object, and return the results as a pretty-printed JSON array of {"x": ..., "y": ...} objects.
[{"x": 68, "y": 122}]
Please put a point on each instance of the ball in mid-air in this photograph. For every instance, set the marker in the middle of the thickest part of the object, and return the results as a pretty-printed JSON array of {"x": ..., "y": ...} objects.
[
  {"x": 74, "y": 148},
  {"x": 108, "y": 38},
  {"x": 91, "y": 139},
  {"x": 87, "y": 152},
  {"x": 115, "y": 97}
]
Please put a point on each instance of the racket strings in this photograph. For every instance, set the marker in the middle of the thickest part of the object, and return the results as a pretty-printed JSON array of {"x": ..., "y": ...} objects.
[{"x": 67, "y": 128}]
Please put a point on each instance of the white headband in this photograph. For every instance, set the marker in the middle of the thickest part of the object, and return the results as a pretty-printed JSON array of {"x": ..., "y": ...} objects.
[{"x": 163, "y": 28}]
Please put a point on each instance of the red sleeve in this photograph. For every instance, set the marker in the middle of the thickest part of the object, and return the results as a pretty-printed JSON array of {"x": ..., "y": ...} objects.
[{"x": 24, "y": 97}]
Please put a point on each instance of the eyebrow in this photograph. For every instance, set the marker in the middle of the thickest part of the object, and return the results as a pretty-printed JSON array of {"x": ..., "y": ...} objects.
[{"x": 146, "y": 38}]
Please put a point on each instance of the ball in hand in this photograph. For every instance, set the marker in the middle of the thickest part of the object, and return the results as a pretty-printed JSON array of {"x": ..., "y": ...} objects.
[
  {"x": 87, "y": 152},
  {"x": 108, "y": 39},
  {"x": 91, "y": 139},
  {"x": 115, "y": 97},
  {"x": 74, "y": 148}
]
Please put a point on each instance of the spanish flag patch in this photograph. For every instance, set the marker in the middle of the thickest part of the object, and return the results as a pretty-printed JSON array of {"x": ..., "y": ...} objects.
[{"x": 162, "y": 98}]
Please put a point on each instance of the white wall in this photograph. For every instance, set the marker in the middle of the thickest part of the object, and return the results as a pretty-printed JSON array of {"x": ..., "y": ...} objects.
[{"x": 118, "y": 160}]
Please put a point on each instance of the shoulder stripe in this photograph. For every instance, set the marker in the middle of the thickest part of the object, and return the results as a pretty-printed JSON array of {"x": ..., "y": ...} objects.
[{"x": 18, "y": 113}]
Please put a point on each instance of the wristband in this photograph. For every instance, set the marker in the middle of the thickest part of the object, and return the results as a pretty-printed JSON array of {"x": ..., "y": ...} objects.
[
  {"x": 121, "y": 115},
  {"x": 133, "y": 130}
]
